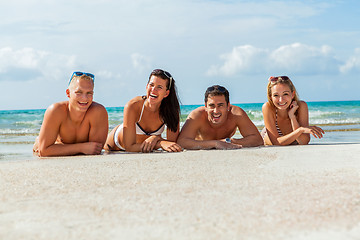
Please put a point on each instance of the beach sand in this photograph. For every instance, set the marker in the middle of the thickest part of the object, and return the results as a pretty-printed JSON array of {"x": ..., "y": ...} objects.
[{"x": 295, "y": 192}]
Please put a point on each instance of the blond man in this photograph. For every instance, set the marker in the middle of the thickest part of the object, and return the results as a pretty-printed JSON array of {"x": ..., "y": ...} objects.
[{"x": 76, "y": 126}]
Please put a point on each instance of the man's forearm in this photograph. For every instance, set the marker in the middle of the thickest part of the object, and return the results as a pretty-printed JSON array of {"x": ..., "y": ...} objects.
[
  {"x": 249, "y": 141},
  {"x": 59, "y": 149},
  {"x": 197, "y": 144}
]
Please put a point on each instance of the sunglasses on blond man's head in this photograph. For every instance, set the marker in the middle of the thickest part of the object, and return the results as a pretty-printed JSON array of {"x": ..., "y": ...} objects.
[{"x": 92, "y": 76}]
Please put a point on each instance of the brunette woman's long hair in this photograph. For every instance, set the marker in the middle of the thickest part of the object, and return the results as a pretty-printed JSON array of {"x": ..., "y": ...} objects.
[{"x": 170, "y": 107}]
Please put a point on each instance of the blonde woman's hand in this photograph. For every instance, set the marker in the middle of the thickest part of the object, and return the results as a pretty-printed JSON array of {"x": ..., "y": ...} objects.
[
  {"x": 292, "y": 109},
  {"x": 314, "y": 130},
  {"x": 170, "y": 146},
  {"x": 149, "y": 144}
]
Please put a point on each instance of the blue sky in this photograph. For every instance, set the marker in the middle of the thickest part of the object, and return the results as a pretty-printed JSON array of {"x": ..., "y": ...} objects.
[{"x": 237, "y": 44}]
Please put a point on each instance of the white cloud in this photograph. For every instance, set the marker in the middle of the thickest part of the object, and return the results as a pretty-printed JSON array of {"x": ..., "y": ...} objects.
[
  {"x": 353, "y": 63},
  {"x": 295, "y": 58},
  {"x": 242, "y": 58},
  {"x": 121, "y": 41},
  {"x": 29, "y": 64},
  {"x": 301, "y": 58},
  {"x": 105, "y": 74},
  {"x": 140, "y": 62},
  {"x": 23, "y": 58}
]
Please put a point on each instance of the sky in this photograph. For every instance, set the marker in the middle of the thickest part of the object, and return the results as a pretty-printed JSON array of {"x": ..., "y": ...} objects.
[{"x": 237, "y": 44}]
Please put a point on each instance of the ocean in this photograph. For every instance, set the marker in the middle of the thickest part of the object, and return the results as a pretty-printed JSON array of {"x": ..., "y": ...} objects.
[{"x": 339, "y": 119}]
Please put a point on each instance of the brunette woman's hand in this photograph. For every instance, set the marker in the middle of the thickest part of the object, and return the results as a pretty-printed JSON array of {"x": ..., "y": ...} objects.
[
  {"x": 170, "y": 146},
  {"x": 149, "y": 144}
]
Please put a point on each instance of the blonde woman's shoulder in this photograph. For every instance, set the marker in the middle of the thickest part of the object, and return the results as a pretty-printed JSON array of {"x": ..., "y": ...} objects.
[
  {"x": 267, "y": 106},
  {"x": 302, "y": 103}
]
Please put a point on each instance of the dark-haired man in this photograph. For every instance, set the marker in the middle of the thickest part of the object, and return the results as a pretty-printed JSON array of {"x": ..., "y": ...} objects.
[{"x": 213, "y": 125}]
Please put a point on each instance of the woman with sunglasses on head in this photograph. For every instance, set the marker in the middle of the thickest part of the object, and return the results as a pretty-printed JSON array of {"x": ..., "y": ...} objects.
[
  {"x": 286, "y": 117},
  {"x": 145, "y": 118}
]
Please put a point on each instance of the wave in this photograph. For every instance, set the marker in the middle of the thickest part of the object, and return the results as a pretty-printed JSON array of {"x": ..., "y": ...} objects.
[
  {"x": 29, "y": 124},
  {"x": 255, "y": 115},
  {"x": 344, "y": 130},
  {"x": 18, "y": 142},
  {"x": 19, "y": 132},
  {"x": 340, "y": 121},
  {"x": 325, "y": 114},
  {"x": 17, "y": 124}
]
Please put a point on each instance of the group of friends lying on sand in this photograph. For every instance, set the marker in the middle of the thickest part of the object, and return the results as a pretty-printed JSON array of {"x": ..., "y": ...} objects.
[{"x": 80, "y": 125}]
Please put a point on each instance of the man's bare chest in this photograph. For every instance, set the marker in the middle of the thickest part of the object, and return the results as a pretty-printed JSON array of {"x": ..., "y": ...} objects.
[
  {"x": 209, "y": 133},
  {"x": 70, "y": 133}
]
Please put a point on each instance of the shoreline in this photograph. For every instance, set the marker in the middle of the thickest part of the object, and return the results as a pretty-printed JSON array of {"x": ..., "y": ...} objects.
[
  {"x": 15, "y": 151},
  {"x": 292, "y": 192}
]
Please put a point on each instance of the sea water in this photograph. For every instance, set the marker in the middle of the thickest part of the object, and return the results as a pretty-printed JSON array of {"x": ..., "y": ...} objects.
[{"x": 339, "y": 119}]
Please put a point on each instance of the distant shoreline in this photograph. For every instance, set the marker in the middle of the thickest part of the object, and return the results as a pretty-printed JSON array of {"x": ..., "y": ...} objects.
[
  {"x": 201, "y": 104},
  {"x": 339, "y": 119}
]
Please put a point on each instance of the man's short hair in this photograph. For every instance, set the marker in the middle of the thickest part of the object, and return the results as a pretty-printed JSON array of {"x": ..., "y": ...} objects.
[
  {"x": 217, "y": 90},
  {"x": 85, "y": 77}
]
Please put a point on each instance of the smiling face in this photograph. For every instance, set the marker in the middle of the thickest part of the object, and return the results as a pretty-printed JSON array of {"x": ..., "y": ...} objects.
[
  {"x": 156, "y": 90},
  {"x": 80, "y": 93},
  {"x": 282, "y": 96},
  {"x": 217, "y": 109}
]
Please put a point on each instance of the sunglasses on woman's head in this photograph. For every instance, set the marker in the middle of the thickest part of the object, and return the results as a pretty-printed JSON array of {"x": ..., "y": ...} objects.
[
  {"x": 167, "y": 74},
  {"x": 275, "y": 79},
  {"x": 92, "y": 76}
]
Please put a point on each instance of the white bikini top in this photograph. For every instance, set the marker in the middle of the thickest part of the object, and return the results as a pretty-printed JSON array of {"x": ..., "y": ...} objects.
[{"x": 141, "y": 131}]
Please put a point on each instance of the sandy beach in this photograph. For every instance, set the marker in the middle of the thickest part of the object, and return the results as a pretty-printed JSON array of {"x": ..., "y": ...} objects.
[{"x": 295, "y": 192}]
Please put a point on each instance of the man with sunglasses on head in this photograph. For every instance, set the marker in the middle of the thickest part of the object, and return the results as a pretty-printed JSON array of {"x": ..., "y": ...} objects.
[
  {"x": 213, "y": 125},
  {"x": 76, "y": 126}
]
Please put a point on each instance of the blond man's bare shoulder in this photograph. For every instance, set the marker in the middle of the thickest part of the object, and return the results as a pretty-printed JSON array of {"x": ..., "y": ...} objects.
[
  {"x": 59, "y": 108},
  {"x": 96, "y": 109}
]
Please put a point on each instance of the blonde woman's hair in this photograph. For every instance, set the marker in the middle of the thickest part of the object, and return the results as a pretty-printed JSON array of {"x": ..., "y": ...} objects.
[{"x": 281, "y": 80}]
